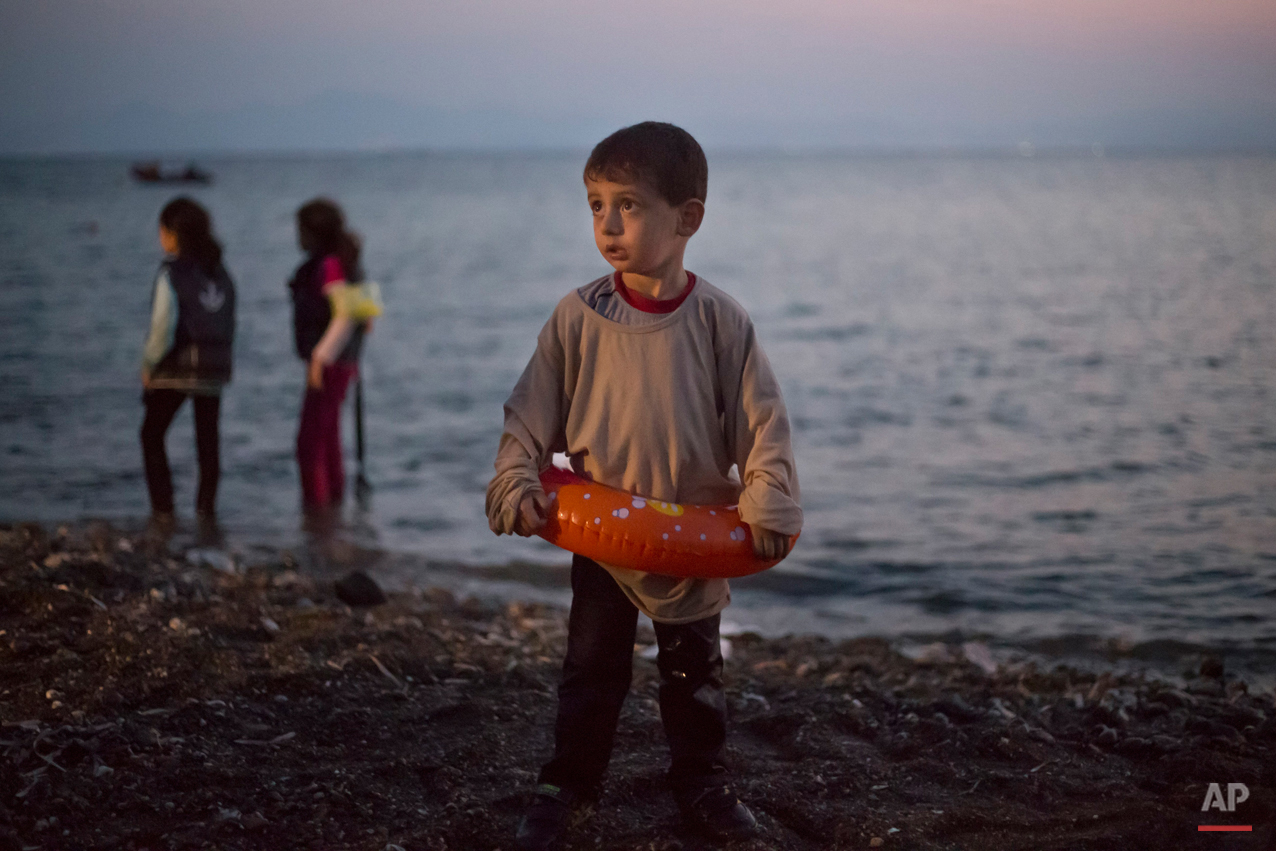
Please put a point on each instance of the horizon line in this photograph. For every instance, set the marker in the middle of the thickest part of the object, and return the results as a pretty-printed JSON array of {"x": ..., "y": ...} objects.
[{"x": 1020, "y": 150}]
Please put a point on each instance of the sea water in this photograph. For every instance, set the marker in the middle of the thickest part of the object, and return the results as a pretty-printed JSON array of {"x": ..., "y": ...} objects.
[{"x": 1032, "y": 398}]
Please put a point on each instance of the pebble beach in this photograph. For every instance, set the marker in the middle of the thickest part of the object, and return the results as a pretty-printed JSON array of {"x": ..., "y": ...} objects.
[{"x": 152, "y": 699}]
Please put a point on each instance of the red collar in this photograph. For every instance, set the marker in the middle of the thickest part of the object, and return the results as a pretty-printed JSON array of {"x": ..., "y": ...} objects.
[{"x": 646, "y": 304}]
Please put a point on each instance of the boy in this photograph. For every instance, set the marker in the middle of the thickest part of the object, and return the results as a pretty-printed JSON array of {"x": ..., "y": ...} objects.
[{"x": 652, "y": 381}]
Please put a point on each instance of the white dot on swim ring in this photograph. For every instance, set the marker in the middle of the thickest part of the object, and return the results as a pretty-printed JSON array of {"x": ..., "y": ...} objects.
[
  {"x": 702, "y": 537},
  {"x": 598, "y": 520},
  {"x": 615, "y": 514},
  {"x": 665, "y": 536},
  {"x": 586, "y": 496},
  {"x": 639, "y": 503},
  {"x": 714, "y": 513},
  {"x": 622, "y": 513},
  {"x": 677, "y": 528}
]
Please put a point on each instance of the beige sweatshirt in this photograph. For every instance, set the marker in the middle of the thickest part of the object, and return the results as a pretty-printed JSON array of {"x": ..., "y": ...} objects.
[{"x": 662, "y": 410}]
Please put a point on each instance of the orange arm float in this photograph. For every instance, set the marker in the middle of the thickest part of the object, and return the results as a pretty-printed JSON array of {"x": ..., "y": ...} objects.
[{"x": 623, "y": 530}]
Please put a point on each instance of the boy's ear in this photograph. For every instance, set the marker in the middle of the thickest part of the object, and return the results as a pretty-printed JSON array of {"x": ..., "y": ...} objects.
[{"x": 690, "y": 216}]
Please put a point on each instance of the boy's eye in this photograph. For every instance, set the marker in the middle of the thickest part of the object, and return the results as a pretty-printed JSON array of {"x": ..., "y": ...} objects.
[
  {"x": 626, "y": 205},
  {"x": 596, "y": 206}
]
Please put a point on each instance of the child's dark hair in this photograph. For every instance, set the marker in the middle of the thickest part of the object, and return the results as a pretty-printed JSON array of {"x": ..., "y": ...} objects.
[
  {"x": 322, "y": 227},
  {"x": 662, "y": 155},
  {"x": 193, "y": 227}
]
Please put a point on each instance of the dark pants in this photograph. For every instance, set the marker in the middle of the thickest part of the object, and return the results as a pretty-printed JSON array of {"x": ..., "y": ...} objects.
[
  {"x": 161, "y": 407},
  {"x": 323, "y": 472},
  {"x": 596, "y": 676}
]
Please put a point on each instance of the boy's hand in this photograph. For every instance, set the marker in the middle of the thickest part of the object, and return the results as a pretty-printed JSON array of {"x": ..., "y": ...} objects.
[
  {"x": 533, "y": 513},
  {"x": 768, "y": 545}
]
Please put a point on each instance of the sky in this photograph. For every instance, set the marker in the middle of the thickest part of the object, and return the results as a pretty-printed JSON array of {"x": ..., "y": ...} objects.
[{"x": 180, "y": 75}]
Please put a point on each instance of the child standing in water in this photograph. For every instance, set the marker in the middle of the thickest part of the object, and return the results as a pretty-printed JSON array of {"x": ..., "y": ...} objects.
[
  {"x": 187, "y": 353},
  {"x": 329, "y": 338},
  {"x": 653, "y": 382}
]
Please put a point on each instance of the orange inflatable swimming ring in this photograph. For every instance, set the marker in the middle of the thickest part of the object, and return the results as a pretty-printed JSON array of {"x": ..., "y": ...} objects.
[{"x": 623, "y": 530}]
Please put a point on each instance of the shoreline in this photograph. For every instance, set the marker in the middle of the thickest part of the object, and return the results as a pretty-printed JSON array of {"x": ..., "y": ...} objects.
[
  {"x": 153, "y": 702},
  {"x": 766, "y": 604},
  {"x": 762, "y": 603}
]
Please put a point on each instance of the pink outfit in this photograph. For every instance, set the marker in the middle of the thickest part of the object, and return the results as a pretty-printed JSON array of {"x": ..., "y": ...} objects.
[
  {"x": 330, "y": 274},
  {"x": 323, "y": 475}
]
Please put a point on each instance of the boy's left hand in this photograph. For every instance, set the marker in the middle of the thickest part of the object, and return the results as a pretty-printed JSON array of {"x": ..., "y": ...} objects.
[{"x": 768, "y": 545}]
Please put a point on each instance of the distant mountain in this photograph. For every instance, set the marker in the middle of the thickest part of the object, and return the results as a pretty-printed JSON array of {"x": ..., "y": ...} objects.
[
  {"x": 331, "y": 121},
  {"x": 348, "y": 121}
]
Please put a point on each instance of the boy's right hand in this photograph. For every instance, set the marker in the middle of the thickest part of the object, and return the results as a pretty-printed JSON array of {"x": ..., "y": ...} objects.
[{"x": 533, "y": 513}]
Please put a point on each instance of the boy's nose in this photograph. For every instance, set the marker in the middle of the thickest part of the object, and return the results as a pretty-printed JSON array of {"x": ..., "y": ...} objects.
[{"x": 613, "y": 224}]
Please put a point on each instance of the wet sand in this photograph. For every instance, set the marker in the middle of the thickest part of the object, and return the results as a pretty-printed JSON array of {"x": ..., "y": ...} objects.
[{"x": 152, "y": 702}]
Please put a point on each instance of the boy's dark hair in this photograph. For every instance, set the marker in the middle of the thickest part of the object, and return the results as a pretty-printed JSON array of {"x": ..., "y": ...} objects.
[
  {"x": 662, "y": 155},
  {"x": 190, "y": 223}
]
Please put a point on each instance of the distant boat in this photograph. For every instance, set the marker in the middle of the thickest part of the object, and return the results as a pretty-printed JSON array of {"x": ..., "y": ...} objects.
[{"x": 150, "y": 172}]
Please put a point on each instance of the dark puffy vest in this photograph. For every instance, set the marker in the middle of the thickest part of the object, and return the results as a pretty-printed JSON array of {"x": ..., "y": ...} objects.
[
  {"x": 205, "y": 324},
  {"x": 311, "y": 314}
]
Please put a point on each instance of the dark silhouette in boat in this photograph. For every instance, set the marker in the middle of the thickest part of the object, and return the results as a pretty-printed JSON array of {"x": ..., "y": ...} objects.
[{"x": 149, "y": 172}]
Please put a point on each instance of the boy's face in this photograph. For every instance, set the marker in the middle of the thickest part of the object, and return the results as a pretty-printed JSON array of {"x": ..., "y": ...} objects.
[{"x": 636, "y": 229}]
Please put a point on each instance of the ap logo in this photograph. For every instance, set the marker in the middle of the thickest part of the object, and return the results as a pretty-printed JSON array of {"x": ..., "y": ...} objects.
[{"x": 1237, "y": 793}]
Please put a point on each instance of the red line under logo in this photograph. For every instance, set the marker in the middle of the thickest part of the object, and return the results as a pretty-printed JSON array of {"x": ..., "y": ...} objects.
[{"x": 1226, "y": 827}]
